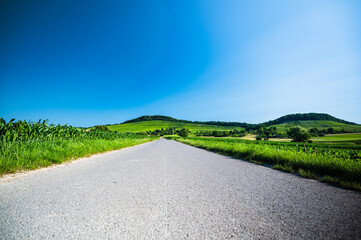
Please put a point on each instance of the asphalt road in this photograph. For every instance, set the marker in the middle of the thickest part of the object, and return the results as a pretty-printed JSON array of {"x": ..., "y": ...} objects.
[{"x": 168, "y": 190}]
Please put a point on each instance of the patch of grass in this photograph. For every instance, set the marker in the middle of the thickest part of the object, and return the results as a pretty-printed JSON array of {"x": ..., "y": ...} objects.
[
  {"x": 339, "y": 137},
  {"x": 308, "y": 174},
  {"x": 345, "y": 184},
  {"x": 257, "y": 162},
  {"x": 341, "y": 169},
  {"x": 15, "y": 156},
  {"x": 30, "y": 145},
  {"x": 284, "y": 168}
]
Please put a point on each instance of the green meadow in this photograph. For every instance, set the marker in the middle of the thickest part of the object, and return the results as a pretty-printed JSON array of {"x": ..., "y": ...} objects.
[
  {"x": 339, "y": 137},
  {"x": 144, "y": 126},
  {"x": 320, "y": 124}
]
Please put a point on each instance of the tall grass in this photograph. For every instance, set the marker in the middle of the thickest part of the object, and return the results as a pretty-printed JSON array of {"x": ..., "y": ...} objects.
[
  {"x": 30, "y": 145},
  {"x": 341, "y": 171}
]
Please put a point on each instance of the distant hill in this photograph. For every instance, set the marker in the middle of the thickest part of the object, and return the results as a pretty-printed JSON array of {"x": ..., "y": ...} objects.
[
  {"x": 319, "y": 124},
  {"x": 166, "y": 118},
  {"x": 306, "y": 117},
  {"x": 305, "y": 120},
  {"x": 153, "y": 117},
  {"x": 312, "y": 120}
]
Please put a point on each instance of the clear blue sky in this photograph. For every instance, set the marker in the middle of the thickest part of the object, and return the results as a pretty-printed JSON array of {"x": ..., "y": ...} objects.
[{"x": 98, "y": 62}]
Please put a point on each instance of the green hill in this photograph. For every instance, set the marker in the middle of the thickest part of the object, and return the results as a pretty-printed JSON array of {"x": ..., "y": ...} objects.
[
  {"x": 304, "y": 120},
  {"x": 306, "y": 117},
  {"x": 319, "y": 124},
  {"x": 166, "y": 118}
]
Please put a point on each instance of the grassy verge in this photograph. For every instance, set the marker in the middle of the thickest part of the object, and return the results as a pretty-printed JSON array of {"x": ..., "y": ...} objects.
[
  {"x": 339, "y": 171},
  {"x": 33, "y": 154}
]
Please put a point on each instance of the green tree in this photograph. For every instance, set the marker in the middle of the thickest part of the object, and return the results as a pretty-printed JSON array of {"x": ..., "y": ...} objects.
[
  {"x": 102, "y": 128},
  {"x": 184, "y": 132},
  {"x": 298, "y": 134},
  {"x": 330, "y": 130}
]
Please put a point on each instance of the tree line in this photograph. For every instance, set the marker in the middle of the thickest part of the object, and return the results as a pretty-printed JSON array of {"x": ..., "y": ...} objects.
[
  {"x": 216, "y": 133},
  {"x": 297, "y": 134}
]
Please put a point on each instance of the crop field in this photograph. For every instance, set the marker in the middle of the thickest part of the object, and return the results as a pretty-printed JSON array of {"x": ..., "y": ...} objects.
[
  {"x": 30, "y": 145},
  {"x": 339, "y": 137},
  {"x": 336, "y": 164},
  {"x": 159, "y": 124},
  {"x": 318, "y": 124}
]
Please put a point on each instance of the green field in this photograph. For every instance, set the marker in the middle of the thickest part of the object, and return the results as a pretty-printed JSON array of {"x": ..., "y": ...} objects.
[
  {"x": 339, "y": 137},
  {"x": 339, "y": 165},
  {"x": 30, "y": 145},
  {"x": 320, "y": 124},
  {"x": 144, "y": 126}
]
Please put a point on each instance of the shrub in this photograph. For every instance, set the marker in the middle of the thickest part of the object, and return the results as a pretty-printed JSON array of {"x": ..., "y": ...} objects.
[
  {"x": 184, "y": 132},
  {"x": 298, "y": 135}
]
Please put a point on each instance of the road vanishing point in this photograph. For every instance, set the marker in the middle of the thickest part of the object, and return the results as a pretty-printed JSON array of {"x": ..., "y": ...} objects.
[{"x": 168, "y": 190}]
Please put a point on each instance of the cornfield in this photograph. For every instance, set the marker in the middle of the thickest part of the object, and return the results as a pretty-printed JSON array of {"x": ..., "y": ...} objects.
[
  {"x": 26, "y": 130},
  {"x": 30, "y": 145}
]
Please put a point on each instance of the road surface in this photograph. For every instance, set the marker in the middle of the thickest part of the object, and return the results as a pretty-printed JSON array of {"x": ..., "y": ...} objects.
[{"x": 168, "y": 190}]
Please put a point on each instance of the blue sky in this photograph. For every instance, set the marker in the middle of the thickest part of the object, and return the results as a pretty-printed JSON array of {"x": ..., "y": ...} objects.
[{"x": 98, "y": 62}]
